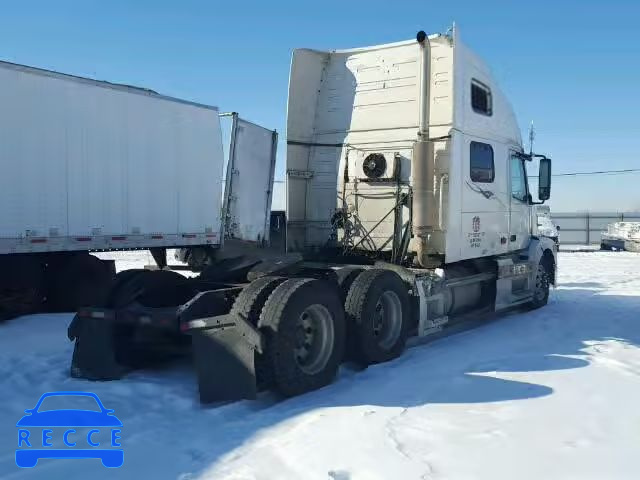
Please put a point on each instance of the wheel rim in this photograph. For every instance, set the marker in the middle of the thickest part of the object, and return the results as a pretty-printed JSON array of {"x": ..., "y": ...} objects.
[
  {"x": 314, "y": 339},
  {"x": 387, "y": 319}
]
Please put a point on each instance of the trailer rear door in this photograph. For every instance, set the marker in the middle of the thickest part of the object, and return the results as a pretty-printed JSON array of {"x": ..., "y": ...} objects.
[{"x": 249, "y": 188}]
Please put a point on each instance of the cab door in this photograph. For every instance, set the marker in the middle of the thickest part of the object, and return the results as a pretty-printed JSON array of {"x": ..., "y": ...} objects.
[
  {"x": 484, "y": 212},
  {"x": 519, "y": 209}
]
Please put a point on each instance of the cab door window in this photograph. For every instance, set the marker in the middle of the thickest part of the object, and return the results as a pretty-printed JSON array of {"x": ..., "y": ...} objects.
[
  {"x": 518, "y": 179},
  {"x": 481, "y": 164}
]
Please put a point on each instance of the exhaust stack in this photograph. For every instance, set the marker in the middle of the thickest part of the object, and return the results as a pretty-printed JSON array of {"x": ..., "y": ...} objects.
[{"x": 425, "y": 206}]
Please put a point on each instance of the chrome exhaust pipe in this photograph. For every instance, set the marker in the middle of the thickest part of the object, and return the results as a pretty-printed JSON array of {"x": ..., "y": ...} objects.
[
  {"x": 425, "y": 80},
  {"x": 425, "y": 205}
]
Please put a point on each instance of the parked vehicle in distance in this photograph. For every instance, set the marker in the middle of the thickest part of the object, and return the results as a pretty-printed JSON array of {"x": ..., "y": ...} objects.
[
  {"x": 621, "y": 236},
  {"x": 546, "y": 225}
]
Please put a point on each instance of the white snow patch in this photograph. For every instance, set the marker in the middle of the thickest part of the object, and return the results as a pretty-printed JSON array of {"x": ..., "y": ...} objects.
[{"x": 549, "y": 394}]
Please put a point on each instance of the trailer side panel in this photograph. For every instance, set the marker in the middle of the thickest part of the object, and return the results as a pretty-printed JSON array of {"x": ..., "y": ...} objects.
[{"x": 92, "y": 165}]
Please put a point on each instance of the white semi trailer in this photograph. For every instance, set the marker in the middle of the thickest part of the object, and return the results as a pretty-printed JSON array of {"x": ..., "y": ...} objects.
[
  {"x": 409, "y": 207},
  {"x": 90, "y": 165}
]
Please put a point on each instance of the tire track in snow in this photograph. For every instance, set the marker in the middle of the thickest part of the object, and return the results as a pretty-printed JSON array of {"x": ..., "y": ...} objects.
[{"x": 393, "y": 428}]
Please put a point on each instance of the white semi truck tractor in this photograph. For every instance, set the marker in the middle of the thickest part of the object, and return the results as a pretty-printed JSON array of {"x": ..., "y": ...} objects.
[{"x": 408, "y": 211}]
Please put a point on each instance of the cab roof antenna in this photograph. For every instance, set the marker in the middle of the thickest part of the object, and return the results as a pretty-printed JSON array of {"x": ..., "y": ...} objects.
[{"x": 532, "y": 136}]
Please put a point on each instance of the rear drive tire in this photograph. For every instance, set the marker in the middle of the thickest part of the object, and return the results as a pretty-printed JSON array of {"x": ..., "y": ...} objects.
[
  {"x": 346, "y": 276},
  {"x": 248, "y": 305},
  {"x": 377, "y": 308},
  {"x": 303, "y": 326}
]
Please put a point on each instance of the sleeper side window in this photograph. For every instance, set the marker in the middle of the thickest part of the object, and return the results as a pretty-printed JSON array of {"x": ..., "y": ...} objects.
[
  {"x": 482, "y": 168},
  {"x": 481, "y": 100}
]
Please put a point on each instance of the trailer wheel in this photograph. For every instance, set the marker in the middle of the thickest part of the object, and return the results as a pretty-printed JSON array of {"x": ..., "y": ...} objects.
[
  {"x": 136, "y": 345},
  {"x": 151, "y": 288},
  {"x": 22, "y": 285},
  {"x": 541, "y": 291},
  {"x": 377, "y": 308},
  {"x": 231, "y": 269},
  {"x": 81, "y": 280},
  {"x": 303, "y": 325},
  {"x": 122, "y": 278}
]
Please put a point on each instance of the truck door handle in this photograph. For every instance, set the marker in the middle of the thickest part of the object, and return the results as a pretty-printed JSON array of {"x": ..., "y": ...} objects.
[{"x": 512, "y": 238}]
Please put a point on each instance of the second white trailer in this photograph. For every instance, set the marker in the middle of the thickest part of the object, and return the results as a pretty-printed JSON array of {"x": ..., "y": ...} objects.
[
  {"x": 94, "y": 165},
  {"x": 90, "y": 165}
]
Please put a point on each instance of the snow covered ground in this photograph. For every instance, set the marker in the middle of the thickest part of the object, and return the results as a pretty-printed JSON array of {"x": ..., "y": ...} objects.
[{"x": 550, "y": 394}]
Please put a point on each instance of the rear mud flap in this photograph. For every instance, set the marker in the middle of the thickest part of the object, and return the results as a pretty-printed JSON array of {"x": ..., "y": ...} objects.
[
  {"x": 223, "y": 351},
  {"x": 94, "y": 354}
]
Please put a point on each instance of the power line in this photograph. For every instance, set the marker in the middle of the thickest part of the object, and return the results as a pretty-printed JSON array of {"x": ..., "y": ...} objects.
[
  {"x": 598, "y": 172},
  {"x": 571, "y": 174}
]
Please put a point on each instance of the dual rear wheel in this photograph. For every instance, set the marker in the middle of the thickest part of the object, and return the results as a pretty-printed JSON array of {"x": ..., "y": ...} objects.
[
  {"x": 310, "y": 325},
  {"x": 377, "y": 307}
]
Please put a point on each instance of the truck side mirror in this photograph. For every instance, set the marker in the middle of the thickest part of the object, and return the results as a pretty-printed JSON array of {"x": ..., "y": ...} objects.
[{"x": 544, "y": 179}]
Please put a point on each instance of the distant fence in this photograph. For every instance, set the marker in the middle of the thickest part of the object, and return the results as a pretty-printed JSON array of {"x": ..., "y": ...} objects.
[{"x": 584, "y": 228}]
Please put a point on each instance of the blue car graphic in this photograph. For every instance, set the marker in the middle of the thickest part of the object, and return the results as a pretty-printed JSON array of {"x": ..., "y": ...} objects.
[{"x": 70, "y": 418}]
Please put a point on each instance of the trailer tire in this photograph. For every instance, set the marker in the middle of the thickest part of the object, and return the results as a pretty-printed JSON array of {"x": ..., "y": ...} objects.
[
  {"x": 231, "y": 269},
  {"x": 303, "y": 326},
  {"x": 138, "y": 346},
  {"x": 150, "y": 288},
  {"x": 22, "y": 285},
  {"x": 378, "y": 312},
  {"x": 541, "y": 290},
  {"x": 122, "y": 278},
  {"x": 81, "y": 280}
]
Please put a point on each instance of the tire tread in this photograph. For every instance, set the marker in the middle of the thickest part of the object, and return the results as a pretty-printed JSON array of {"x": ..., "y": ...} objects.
[
  {"x": 355, "y": 305},
  {"x": 288, "y": 381}
]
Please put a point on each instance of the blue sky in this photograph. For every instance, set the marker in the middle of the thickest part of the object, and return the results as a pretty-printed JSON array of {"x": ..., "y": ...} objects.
[{"x": 571, "y": 66}]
